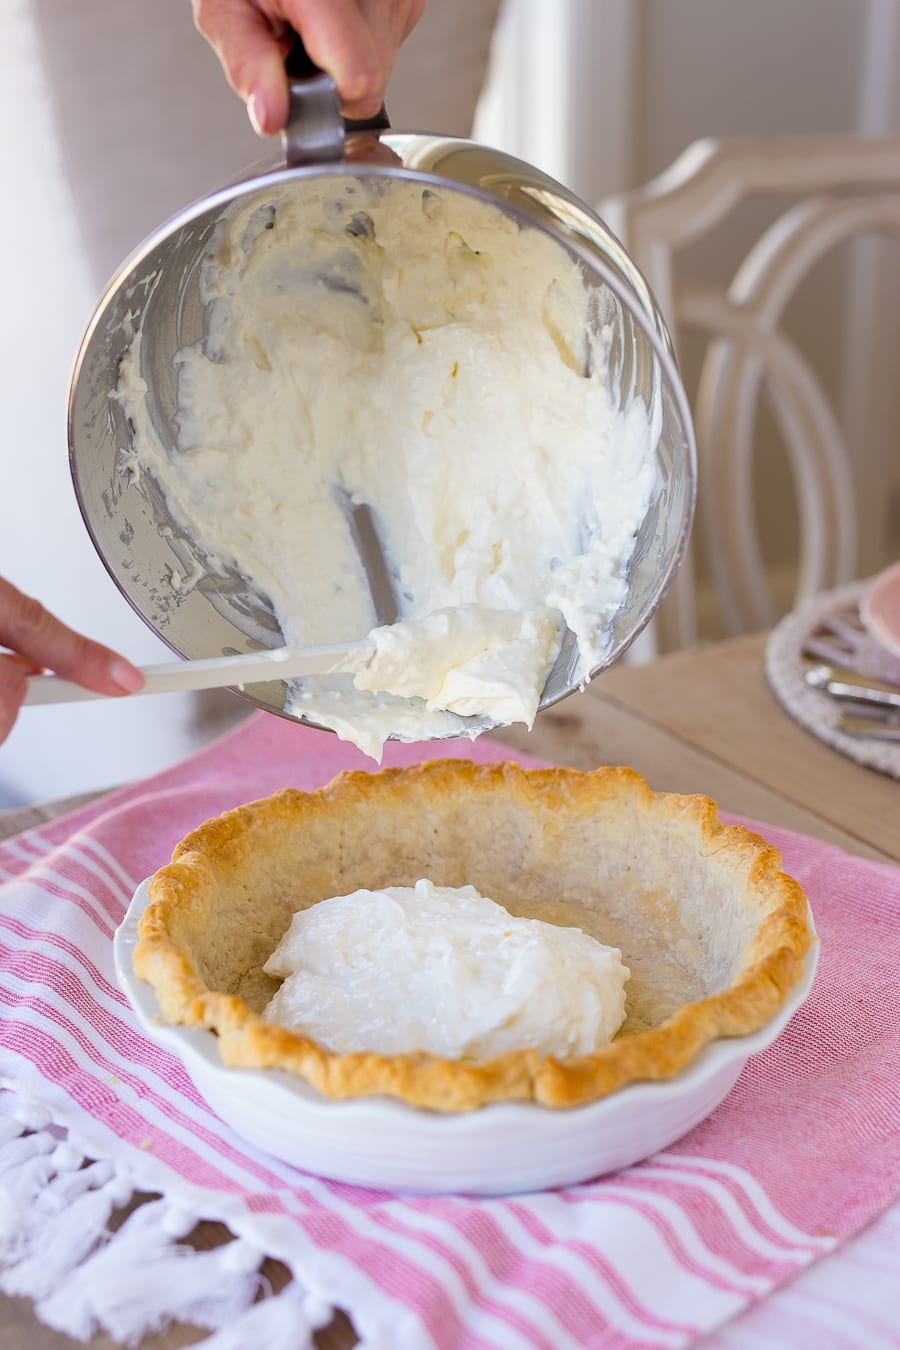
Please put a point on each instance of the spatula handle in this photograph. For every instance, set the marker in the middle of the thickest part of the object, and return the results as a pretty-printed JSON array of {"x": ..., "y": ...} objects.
[{"x": 216, "y": 672}]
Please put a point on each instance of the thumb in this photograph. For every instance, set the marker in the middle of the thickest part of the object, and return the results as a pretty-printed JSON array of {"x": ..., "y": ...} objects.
[{"x": 252, "y": 57}]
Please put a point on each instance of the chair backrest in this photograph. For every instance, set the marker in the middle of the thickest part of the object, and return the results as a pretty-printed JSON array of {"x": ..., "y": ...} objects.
[{"x": 827, "y": 190}]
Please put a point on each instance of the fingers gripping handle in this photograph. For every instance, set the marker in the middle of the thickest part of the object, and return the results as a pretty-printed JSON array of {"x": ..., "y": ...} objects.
[{"x": 315, "y": 131}]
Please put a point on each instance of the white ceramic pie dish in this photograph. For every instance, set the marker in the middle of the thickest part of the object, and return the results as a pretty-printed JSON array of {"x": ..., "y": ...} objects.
[{"x": 495, "y": 1150}]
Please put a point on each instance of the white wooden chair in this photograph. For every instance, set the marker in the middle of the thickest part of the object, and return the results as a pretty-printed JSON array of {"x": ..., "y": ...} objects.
[{"x": 828, "y": 190}]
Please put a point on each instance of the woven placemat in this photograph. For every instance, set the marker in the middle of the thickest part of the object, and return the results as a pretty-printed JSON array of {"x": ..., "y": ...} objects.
[{"x": 828, "y": 628}]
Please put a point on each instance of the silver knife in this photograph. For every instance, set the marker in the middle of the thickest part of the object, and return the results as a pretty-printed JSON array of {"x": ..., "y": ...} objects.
[
  {"x": 869, "y": 726},
  {"x": 850, "y": 685}
]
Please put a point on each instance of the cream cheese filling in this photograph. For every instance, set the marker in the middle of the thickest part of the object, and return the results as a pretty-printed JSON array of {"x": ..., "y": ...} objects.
[
  {"x": 419, "y": 351},
  {"x": 445, "y": 970}
]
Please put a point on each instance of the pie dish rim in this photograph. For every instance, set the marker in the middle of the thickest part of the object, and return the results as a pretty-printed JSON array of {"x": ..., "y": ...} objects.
[{"x": 424, "y": 1080}]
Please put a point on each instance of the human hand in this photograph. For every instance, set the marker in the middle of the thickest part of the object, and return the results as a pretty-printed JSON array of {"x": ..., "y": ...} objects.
[
  {"x": 35, "y": 640},
  {"x": 355, "y": 41}
]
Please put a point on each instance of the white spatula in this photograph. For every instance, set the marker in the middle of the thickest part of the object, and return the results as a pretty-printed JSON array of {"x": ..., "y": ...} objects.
[{"x": 280, "y": 663}]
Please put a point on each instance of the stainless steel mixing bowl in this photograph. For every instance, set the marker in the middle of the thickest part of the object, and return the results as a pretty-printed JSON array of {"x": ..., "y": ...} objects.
[{"x": 155, "y": 291}]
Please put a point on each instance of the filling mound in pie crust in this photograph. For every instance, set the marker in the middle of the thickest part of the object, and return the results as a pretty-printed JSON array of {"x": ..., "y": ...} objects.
[{"x": 446, "y": 970}]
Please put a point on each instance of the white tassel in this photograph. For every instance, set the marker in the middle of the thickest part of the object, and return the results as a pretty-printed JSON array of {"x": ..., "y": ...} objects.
[
  {"x": 284, "y": 1321},
  {"x": 218, "y": 1293},
  {"x": 25, "y": 1169},
  {"x": 69, "y": 1217},
  {"x": 30, "y": 1117},
  {"x": 13, "y": 1216},
  {"x": 12, "y": 1211},
  {"x": 70, "y": 1307},
  {"x": 10, "y": 1128},
  {"x": 55, "y": 1248},
  {"x": 20, "y": 1152},
  {"x": 140, "y": 1281}
]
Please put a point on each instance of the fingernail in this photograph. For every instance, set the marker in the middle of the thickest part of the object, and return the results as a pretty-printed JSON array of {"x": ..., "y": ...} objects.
[
  {"x": 256, "y": 112},
  {"x": 127, "y": 677}
]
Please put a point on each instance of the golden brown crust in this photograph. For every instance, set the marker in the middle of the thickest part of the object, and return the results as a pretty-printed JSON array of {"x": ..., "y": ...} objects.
[{"x": 713, "y": 930}]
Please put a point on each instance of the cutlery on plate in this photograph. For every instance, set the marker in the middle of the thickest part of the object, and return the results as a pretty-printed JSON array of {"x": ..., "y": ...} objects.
[
  {"x": 847, "y": 684},
  {"x": 216, "y": 672},
  {"x": 877, "y": 729}
]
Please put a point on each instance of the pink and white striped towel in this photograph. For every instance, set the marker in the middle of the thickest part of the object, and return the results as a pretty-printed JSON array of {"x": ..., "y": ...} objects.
[{"x": 739, "y": 1215}]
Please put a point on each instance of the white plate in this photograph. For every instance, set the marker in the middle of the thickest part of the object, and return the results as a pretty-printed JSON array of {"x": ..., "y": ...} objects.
[
  {"x": 496, "y": 1150},
  {"x": 879, "y": 608}
]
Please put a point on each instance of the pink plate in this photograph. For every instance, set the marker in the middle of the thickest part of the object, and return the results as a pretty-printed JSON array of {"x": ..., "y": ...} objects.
[{"x": 879, "y": 608}]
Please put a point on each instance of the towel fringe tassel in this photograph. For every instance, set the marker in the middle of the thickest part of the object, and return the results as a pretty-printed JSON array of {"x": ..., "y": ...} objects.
[
  {"x": 56, "y": 1247},
  {"x": 284, "y": 1321},
  {"x": 142, "y": 1278}
]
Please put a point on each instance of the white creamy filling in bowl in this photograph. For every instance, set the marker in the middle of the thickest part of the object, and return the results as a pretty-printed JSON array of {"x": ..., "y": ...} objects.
[{"x": 421, "y": 352}]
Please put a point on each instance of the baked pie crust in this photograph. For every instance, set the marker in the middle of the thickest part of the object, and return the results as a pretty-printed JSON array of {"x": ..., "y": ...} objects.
[{"x": 713, "y": 931}]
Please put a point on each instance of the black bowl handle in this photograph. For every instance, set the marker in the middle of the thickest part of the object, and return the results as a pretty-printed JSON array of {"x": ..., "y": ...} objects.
[{"x": 316, "y": 131}]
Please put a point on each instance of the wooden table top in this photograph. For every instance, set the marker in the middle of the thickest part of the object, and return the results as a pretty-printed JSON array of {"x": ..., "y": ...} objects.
[
  {"x": 700, "y": 721},
  {"x": 707, "y": 721}
]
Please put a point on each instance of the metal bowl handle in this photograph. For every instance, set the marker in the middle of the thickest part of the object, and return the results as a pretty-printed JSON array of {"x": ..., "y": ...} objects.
[{"x": 315, "y": 130}]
